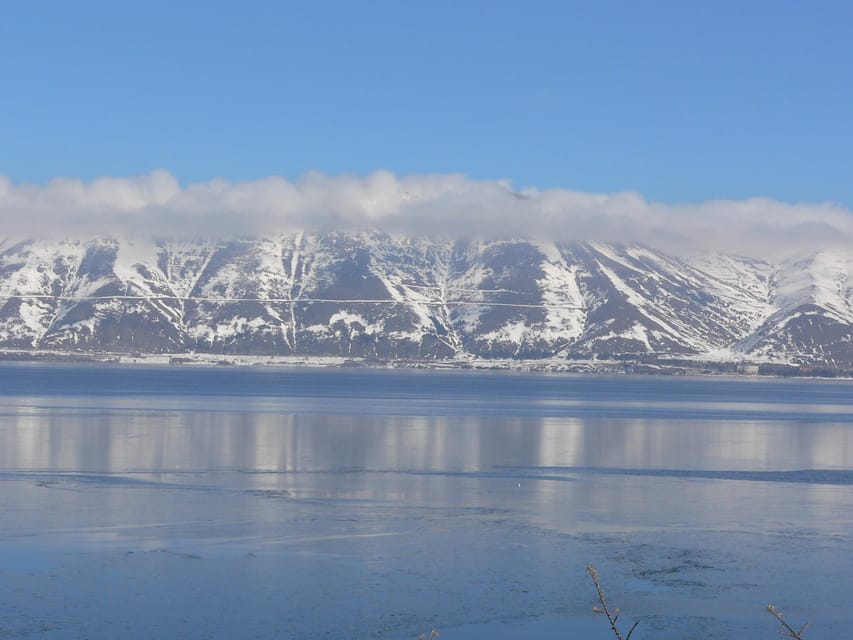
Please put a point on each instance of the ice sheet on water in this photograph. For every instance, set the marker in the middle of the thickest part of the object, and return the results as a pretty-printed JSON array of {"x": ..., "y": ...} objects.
[{"x": 803, "y": 476}]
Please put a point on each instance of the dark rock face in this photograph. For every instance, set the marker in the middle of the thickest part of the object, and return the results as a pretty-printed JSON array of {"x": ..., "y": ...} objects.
[{"x": 370, "y": 295}]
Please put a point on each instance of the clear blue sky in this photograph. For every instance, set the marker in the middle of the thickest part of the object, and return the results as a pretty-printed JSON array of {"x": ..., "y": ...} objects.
[{"x": 681, "y": 100}]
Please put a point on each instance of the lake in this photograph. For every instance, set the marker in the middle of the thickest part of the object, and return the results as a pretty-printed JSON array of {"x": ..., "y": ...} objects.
[{"x": 140, "y": 502}]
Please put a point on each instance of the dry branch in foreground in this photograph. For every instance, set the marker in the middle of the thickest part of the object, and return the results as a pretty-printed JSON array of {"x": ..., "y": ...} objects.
[
  {"x": 787, "y": 630},
  {"x": 611, "y": 617}
]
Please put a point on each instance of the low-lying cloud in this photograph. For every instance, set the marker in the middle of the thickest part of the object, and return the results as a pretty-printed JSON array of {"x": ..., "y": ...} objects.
[{"x": 156, "y": 204}]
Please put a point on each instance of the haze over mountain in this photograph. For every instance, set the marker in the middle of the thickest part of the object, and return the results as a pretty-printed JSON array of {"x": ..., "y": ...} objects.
[{"x": 156, "y": 205}]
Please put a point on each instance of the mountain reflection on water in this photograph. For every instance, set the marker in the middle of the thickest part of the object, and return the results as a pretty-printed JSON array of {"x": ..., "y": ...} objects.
[
  {"x": 386, "y": 502},
  {"x": 252, "y": 436}
]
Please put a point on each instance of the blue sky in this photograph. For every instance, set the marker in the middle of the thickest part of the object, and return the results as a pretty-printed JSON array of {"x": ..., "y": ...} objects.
[{"x": 680, "y": 101}]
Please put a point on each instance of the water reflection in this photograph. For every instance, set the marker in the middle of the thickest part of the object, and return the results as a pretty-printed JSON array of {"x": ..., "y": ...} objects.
[
  {"x": 133, "y": 440},
  {"x": 160, "y": 441},
  {"x": 428, "y": 510},
  {"x": 563, "y": 473}
]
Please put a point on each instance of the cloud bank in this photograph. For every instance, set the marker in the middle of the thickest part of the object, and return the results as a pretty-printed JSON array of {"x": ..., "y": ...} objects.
[{"x": 156, "y": 204}]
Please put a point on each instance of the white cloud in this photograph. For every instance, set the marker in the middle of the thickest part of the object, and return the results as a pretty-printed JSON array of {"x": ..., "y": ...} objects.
[{"x": 453, "y": 204}]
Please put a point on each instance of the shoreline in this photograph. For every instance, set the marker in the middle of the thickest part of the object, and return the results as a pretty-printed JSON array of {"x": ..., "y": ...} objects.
[{"x": 642, "y": 365}]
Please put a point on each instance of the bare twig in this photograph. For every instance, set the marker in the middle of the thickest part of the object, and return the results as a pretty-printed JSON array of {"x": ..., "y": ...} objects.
[
  {"x": 787, "y": 630},
  {"x": 611, "y": 617}
]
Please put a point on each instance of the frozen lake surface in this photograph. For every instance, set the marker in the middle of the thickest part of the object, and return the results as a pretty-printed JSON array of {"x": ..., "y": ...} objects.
[{"x": 142, "y": 502}]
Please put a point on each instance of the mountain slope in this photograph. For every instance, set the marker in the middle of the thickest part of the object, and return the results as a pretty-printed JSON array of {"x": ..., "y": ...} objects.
[
  {"x": 813, "y": 312},
  {"x": 372, "y": 295}
]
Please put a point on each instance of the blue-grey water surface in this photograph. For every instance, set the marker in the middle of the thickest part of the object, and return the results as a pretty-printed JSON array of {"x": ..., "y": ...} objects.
[{"x": 140, "y": 502}]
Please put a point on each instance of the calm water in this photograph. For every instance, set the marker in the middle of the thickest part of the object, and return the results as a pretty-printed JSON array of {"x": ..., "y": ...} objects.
[{"x": 222, "y": 503}]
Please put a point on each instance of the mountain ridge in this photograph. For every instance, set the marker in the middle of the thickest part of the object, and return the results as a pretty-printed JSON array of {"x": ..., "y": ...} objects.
[{"x": 373, "y": 295}]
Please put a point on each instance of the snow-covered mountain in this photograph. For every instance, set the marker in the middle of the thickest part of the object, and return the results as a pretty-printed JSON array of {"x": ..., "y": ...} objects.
[{"x": 378, "y": 296}]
